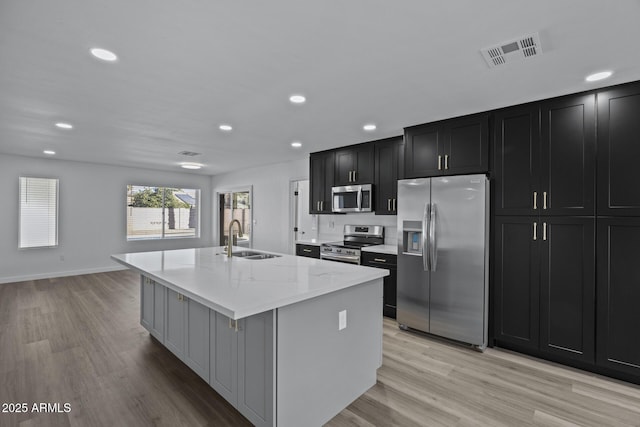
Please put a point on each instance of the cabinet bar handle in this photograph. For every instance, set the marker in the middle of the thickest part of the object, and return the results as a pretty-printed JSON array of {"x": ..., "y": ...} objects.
[
  {"x": 544, "y": 200},
  {"x": 235, "y": 323},
  {"x": 394, "y": 205},
  {"x": 535, "y": 231},
  {"x": 535, "y": 200},
  {"x": 380, "y": 260},
  {"x": 306, "y": 250},
  {"x": 544, "y": 231},
  {"x": 350, "y": 172},
  {"x": 355, "y": 176},
  {"x": 230, "y": 323},
  {"x": 439, "y": 163},
  {"x": 446, "y": 161}
]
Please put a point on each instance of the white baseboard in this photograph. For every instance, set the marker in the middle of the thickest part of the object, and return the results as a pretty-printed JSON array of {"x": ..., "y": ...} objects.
[{"x": 61, "y": 274}]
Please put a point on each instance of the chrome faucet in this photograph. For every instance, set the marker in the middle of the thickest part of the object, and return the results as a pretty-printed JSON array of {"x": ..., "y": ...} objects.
[{"x": 230, "y": 241}]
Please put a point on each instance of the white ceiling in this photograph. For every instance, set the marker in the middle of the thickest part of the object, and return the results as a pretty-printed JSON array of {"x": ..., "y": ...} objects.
[{"x": 187, "y": 66}]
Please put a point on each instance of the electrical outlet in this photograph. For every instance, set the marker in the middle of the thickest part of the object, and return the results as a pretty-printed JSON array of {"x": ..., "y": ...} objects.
[{"x": 342, "y": 320}]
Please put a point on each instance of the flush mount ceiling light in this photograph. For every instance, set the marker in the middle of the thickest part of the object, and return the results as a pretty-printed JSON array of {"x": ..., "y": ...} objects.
[
  {"x": 369, "y": 127},
  {"x": 226, "y": 128},
  {"x": 104, "y": 54},
  {"x": 598, "y": 76},
  {"x": 296, "y": 144},
  {"x": 49, "y": 152},
  {"x": 63, "y": 125},
  {"x": 191, "y": 165},
  {"x": 297, "y": 99}
]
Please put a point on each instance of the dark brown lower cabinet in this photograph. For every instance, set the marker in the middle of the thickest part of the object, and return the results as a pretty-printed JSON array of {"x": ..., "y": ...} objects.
[
  {"x": 567, "y": 287},
  {"x": 517, "y": 283},
  {"x": 545, "y": 285},
  {"x": 309, "y": 251},
  {"x": 619, "y": 294},
  {"x": 389, "y": 262}
]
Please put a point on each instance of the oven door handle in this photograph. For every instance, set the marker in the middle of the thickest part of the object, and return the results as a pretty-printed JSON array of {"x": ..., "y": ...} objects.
[{"x": 348, "y": 258}]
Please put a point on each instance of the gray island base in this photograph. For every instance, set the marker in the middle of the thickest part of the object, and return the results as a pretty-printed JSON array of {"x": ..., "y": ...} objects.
[{"x": 297, "y": 364}]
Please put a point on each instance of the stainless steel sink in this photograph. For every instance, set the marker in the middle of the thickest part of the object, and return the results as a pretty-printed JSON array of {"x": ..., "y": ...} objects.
[
  {"x": 254, "y": 255},
  {"x": 262, "y": 256}
]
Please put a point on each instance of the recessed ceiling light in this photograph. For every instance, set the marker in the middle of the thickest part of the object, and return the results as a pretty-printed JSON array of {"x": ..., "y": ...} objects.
[
  {"x": 369, "y": 127},
  {"x": 49, "y": 152},
  {"x": 105, "y": 55},
  {"x": 63, "y": 125},
  {"x": 296, "y": 144},
  {"x": 297, "y": 99},
  {"x": 191, "y": 165},
  {"x": 226, "y": 128},
  {"x": 598, "y": 76}
]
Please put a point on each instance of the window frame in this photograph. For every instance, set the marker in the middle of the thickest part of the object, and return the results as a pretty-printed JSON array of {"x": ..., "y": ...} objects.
[
  {"x": 163, "y": 233},
  {"x": 56, "y": 216}
]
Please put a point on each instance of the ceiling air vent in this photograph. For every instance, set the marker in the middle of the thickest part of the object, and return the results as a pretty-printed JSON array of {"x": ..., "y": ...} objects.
[
  {"x": 512, "y": 50},
  {"x": 189, "y": 153}
]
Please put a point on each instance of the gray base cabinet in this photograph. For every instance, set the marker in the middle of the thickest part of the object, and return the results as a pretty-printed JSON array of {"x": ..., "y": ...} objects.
[
  {"x": 196, "y": 346},
  {"x": 174, "y": 316},
  {"x": 223, "y": 366},
  {"x": 242, "y": 364},
  {"x": 152, "y": 296},
  {"x": 322, "y": 365},
  {"x": 187, "y": 331},
  {"x": 235, "y": 357}
]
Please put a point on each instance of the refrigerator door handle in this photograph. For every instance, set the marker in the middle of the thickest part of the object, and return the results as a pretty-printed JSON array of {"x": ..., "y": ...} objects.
[
  {"x": 433, "y": 244},
  {"x": 425, "y": 240}
]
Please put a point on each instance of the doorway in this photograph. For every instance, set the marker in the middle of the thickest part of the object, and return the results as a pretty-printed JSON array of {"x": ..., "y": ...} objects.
[
  {"x": 235, "y": 204},
  {"x": 303, "y": 224}
]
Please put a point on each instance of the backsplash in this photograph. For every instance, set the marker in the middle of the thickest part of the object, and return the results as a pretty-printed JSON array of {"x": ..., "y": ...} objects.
[{"x": 331, "y": 227}]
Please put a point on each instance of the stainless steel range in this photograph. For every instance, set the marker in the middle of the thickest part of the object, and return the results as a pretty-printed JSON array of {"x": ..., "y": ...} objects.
[{"x": 355, "y": 237}]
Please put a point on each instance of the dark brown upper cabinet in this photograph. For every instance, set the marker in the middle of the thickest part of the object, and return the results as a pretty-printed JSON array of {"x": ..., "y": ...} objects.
[
  {"x": 449, "y": 147},
  {"x": 545, "y": 158},
  {"x": 321, "y": 167},
  {"x": 389, "y": 154},
  {"x": 619, "y": 151},
  {"x": 354, "y": 165}
]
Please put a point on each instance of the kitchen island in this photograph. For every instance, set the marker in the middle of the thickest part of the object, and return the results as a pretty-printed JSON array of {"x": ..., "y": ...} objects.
[{"x": 287, "y": 340}]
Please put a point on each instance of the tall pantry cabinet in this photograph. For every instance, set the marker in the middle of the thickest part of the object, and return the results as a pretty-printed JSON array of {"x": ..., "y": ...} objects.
[
  {"x": 566, "y": 282},
  {"x": 544, "y": 202},
  {"x": 618, "y": 229}
]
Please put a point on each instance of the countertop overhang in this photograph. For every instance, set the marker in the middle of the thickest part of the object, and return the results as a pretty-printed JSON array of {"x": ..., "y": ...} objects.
[{"x": 238, "y": 287}]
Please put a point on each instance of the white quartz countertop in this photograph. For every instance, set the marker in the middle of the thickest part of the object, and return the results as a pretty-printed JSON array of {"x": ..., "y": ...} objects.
[
  {"x": 238, "y": 287},
  {"x": 382, "y": 249}
]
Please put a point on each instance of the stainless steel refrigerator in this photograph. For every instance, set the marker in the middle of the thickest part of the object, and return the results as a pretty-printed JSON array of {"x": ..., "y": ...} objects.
[{"x": 443, "y": 256}]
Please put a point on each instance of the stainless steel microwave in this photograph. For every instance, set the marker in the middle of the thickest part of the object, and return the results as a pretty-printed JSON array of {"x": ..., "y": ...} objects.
[{"x": 352, "y": 198}]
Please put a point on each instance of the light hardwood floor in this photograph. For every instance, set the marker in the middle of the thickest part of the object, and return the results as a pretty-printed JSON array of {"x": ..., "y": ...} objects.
[{"x": 77, "y": 340}]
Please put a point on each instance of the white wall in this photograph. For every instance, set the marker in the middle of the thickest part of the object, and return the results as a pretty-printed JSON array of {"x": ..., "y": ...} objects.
[
  {"x": 271, "y": 201},
  {"x": 331, "y": 227},
  {"x": 92, "y": 216}
]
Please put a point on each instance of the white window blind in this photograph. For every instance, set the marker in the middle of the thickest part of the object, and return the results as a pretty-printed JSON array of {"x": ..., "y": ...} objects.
[{"x": 38, "y": 212}]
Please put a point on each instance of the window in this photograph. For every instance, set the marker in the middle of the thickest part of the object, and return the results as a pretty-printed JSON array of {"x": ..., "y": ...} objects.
[
  {"x": 162, "y": 212},
  {"x": 38, "y": 213}
]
